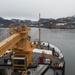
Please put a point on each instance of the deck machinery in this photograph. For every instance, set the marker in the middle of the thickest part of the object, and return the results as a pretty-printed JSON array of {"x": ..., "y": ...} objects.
[{"x": 20, "y": 56}]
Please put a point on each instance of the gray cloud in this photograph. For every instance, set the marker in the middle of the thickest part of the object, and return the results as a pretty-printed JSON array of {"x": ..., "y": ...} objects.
[{"x": 29, "y": 9}]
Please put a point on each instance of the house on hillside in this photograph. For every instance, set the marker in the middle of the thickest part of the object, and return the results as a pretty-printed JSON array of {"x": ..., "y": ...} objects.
[
  {"x": 49, "y": 25},
  {"x": 61, "y": 25}
]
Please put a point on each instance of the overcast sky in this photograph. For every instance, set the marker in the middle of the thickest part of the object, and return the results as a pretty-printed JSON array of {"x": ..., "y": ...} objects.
[{"x": 30, "y": 9}]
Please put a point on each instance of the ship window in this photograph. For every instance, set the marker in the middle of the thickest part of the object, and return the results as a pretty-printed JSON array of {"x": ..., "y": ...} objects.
[{"x": 18, "y": 61}]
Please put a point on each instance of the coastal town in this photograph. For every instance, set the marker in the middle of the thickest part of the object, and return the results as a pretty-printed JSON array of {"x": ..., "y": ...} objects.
[{"x": 60, "y": 23}]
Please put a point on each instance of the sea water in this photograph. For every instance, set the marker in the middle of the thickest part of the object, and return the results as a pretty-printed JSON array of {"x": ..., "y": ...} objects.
[{"x": 64, "y": 39}]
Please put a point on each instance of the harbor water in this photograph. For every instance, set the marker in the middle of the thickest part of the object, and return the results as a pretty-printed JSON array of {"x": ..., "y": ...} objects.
[{"x": 64, "y": 39}]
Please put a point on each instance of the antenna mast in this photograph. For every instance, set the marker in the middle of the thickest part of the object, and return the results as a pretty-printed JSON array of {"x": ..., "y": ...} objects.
[{"x": 39, "y": 31}]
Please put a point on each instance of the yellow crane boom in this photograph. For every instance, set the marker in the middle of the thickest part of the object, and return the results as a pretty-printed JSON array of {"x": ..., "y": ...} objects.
[
  {"x": 18, "y": 42},
  {"x": 9, "y": 43}
]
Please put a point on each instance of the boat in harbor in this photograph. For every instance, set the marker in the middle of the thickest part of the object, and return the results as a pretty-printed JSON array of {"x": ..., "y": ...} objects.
[{"x": 20, "y": 56}]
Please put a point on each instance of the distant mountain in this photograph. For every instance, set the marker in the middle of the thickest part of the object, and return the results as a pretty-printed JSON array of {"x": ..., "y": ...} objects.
[{"x": 6, "y": 22}]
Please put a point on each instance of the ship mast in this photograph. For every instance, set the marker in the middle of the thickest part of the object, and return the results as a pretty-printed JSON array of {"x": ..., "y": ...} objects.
[{"x": 39, "y": 31}]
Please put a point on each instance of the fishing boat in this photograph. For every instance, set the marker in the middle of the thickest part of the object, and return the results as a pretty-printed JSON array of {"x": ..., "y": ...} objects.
[{"x": 20, "y": 56}]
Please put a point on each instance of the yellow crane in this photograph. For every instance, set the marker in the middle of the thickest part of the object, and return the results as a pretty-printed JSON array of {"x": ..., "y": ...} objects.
[{"x": 19, "y": 43}]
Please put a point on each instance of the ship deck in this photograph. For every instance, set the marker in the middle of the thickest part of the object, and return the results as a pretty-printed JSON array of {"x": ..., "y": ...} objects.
[{"x": 51, "y": 68}]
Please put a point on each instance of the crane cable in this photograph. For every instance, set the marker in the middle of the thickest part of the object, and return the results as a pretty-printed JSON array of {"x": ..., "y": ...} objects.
[
  {"x": 41, "y": 33},
  {"x": 44, "y": 37},
  {"x": 35, "y": 34}
]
